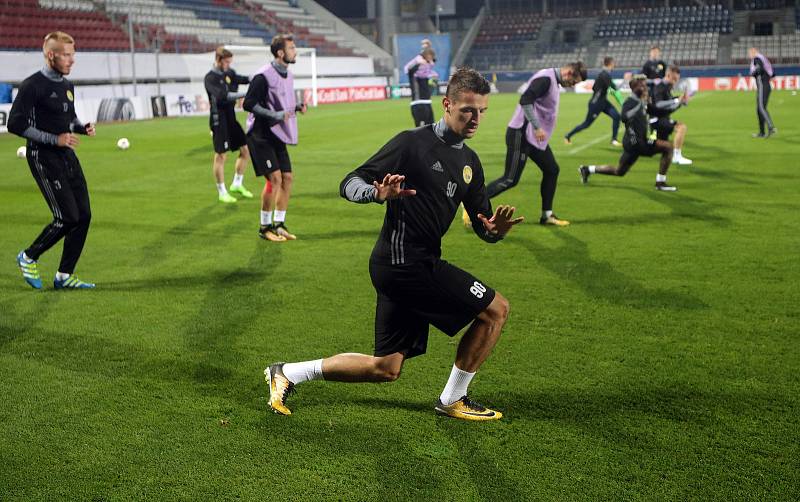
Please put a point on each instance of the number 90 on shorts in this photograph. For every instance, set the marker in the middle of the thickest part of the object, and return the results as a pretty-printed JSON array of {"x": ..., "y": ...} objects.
[{"x": 477, "y": 289}]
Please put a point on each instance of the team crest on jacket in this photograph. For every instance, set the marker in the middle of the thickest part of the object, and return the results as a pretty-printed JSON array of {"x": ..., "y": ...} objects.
[
  {"x": 227, "y": 79},
  {"x": 69, "y": 95},
  {"x": 467, "y": 174}
]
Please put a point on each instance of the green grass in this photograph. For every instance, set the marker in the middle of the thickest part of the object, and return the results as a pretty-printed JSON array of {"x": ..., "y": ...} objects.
[{"x": 651, "y": 352}]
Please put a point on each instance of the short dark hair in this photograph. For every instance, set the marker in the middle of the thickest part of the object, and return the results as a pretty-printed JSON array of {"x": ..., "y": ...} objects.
[
  {"x": 466, "y": 79},
  {"x": 638, "y": 86},
  {"x": 607, "y": 60},
  {"x": 279, "y": 43},
  {"x": 578, "y": 68},
  {"x": 222, "y": 53},
  {"x": 674, "y": 69}
]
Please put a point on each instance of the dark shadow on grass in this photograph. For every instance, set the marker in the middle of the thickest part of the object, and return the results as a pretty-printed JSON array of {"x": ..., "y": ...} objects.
[
  {"x": 332, "y": 194},
  {"x": 174, "y": 237},
  {"x": 342, "y": 234},
  {"x": 211, "y": 335},
  {"x": 600, "y": 280},
  {"x": 723, "y": 175},
  {"x": 16, "y": 323},
  {"x": 680, "y": 204}
]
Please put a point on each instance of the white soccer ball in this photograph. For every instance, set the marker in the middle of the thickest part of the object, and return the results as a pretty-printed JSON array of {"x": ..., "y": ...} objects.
[
  {"x": 21, "y": 151},
  {"x": 123, "y": 144}
]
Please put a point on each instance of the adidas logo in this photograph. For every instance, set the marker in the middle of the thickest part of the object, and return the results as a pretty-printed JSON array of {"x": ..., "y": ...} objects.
[
  {"x": 437, "y": 166},
  {"x": 54, "y": 95}
]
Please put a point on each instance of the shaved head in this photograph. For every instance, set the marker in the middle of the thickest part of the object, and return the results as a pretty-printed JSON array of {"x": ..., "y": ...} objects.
[{"x": 59, "y": 51}]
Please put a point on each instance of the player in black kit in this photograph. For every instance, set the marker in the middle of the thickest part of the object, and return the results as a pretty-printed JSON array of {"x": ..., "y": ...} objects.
[
  {"x": 660, "y": 108},
  {"x": 761, "y": 70},
  {"x": 654, "y": 68},
  {"x": 44, "y": 113},
  {"x": 422, "y": 175},
  {"x": 636, "y": 141},
  {"x": 222, "y": 84},
  {"x": 599, "y": 103}
]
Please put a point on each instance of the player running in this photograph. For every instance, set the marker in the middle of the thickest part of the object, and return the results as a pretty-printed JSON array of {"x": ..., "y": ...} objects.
[
  {"x": 528, "y": 134},
  {"x": 271, "y": 125},
  {"x": 602, "y": 87},
  {"x": 636, "y": 141},
  {"x": 44, "y": 114},
  {"x": 660, "y": 108},
  {"x": 422, "y": 175},
  {"x": 761, "y": 69},
  {"x": 226, "y": 133}
]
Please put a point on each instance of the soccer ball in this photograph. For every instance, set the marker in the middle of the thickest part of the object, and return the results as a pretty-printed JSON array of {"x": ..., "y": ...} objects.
[
  {"x": 21, "y": 151},
  {"x": 123, "y": 144}
]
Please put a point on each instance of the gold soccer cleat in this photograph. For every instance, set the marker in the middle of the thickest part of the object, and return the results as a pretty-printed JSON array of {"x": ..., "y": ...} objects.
[
  {"x": 279, "y": 388},
  {"x": 467, "y": 410}
]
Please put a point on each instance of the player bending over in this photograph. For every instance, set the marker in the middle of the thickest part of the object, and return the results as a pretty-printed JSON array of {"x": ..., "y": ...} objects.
[
  {"x": 422, "y": 175},
  {"x": 636, "y": 141}
]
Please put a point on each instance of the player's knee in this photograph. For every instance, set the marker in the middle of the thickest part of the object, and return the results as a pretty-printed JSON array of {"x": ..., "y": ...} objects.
[
  {"x": 387, "y": 370},
  {"x": 287, "y": 178},
  {"x": 498, "y": 309}
]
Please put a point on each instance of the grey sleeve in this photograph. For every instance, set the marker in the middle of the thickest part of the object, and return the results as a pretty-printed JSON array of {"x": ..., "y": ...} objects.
[
  {"x": 267, "y": 113},
  {"x": 530, "y": 116},
  {"x": 357, "y": 190},
  {"x": 233, "y": 96},
  {"x": 668, "y": 104},
  {"x": 633, "y": 111},
  {"x": 34, "y": 134}
]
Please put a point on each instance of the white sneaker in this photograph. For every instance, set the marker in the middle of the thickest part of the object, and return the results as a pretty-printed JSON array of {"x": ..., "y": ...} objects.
[{"x": 682, "y": 161}]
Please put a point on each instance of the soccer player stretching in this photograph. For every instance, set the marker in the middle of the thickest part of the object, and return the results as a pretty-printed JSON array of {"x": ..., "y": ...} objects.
[
  {"x": 422, "y": 175},
  {"x": 271, "y": 125},
  {"x": 528, "y": 134},
  {"x": 761, "y": 69},
  {"x": 599, "y": 103},
  {"x": 662, "y": 104},
  {"x": 44, "y": 113},
  {"x": 226, "y": 133},
  {"x": 636, "y": 141}
]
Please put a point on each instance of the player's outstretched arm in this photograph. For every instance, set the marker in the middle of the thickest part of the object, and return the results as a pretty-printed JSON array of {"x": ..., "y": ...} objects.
[{"x": 501, "y": 222}]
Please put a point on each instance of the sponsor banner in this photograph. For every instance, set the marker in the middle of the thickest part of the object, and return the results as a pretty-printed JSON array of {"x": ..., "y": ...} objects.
[
  {"x": 5, "y": 109},
  {"x": 346, "y": 94},
  {"x": 747, "y": 83}
]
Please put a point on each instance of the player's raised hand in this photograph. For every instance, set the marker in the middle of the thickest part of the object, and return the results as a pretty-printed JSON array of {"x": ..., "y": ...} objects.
[
  {"x": 502, "y": 220},
  {"x": 391, "y": 188}
]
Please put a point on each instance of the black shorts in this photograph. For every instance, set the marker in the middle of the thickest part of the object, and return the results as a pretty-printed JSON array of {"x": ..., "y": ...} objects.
[
  {"x": 268, "y": 153},
  {"x": 631, "y": 153},
  {"x": 663, "y": 127},
  {"x": 422, "y": 114},
  {"x": 413, "y": 296},
  {"x": 227, "y": 135}
]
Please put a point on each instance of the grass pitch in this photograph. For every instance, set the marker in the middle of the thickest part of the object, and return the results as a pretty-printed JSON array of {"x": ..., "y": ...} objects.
[{"x": 651, "y": 353}]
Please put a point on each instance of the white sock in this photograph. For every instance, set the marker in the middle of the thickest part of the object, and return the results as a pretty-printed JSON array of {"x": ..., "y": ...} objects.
[
  {"x": 237, "y": 180},
  {"x": 676, "y": 152},
  {"x": 61, "y": 276},
  {"x": 592, "y": 169},
  {"x": 661, "y": 178},
  {"x": 280, "y": 216},
  {"x": 456, "y": 387},
  {"x": 26, "y": 258},
  {"x": 547, "y": 214},
  {"x": 303, "y": 372},
  {"x": 266, "y": 217},
  {"x": 221, "y": 188}
]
